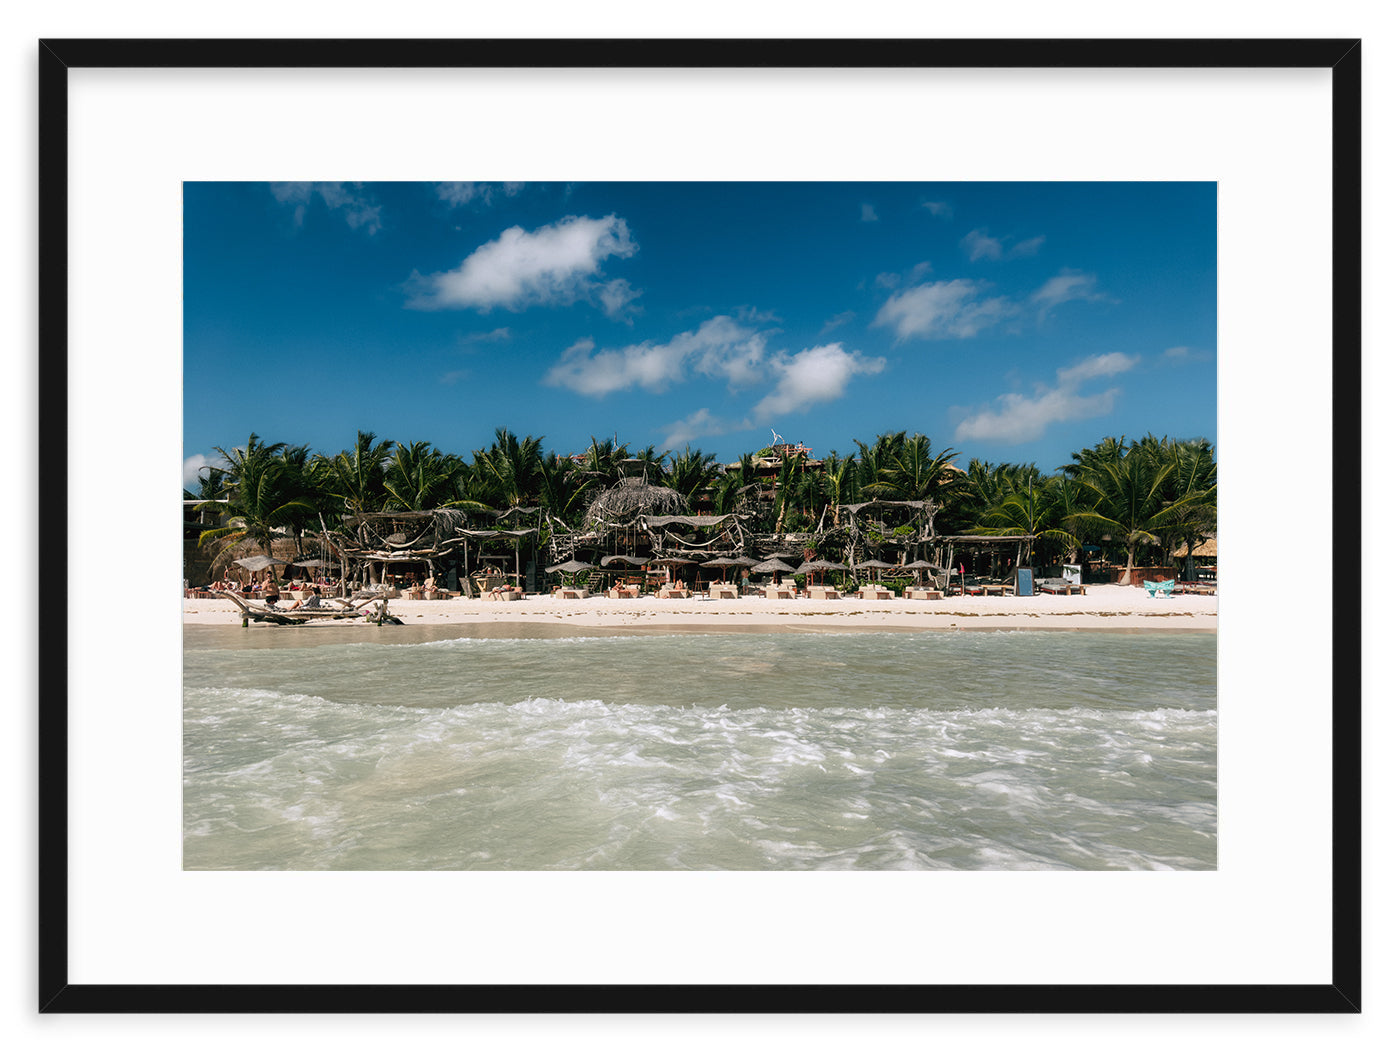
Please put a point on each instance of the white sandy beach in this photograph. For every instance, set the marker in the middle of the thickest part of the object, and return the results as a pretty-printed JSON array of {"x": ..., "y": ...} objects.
[{"x": 1101, "y": 608}]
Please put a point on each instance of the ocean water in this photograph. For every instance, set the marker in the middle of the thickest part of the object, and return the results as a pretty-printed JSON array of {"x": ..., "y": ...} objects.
[{"x": 411, "y": 748}]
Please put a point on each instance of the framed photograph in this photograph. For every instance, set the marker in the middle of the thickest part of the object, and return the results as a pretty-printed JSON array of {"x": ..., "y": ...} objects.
[{"x": 265, "y": 259}]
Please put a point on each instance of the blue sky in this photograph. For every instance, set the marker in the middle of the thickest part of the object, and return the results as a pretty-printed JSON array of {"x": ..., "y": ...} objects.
[{"x": 1010, "y": 321}]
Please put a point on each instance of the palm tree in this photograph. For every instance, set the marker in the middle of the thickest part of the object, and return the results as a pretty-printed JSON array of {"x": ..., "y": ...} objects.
[
  {"x": 1033, "y": 510},
  {"x": 913, "y": 473},
  {"x": 1109, "y": 450},
  {"x": 264, "y": 494},
  {"x": 1128, "y": 495},
  {"x": 787, "y": 490},
  {"x": 875, "y": 458},
  {"x": 356, "y": 475},
  {"x": 210, "y": 483},
  {"x": 602, "y": 463},
  {"x": 690, "y": 473},
  {"x": 838, "y": 479},
  {"x": 510, "y": 469},
  {"x": 728, "y": 492},
  {"x": 1190, "y": 491},
  {"x": 561, "y": 489},
  {"x": 420, "y": 477}
]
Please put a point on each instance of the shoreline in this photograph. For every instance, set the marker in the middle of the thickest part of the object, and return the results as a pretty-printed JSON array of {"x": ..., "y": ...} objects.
[{"x": 1104, "y": 608}]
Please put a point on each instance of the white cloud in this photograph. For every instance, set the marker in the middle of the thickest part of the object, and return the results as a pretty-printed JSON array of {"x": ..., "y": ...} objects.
[
  {"x": 494, "y": 336},
  {"x": 557, "y": 264},
  {"x": 937, "y": 208},
  {"x": 1066, "y": 286},
  {"x": 942, "y": 310},
  {"x": 887, "y": 280},
  {"x": 838, "y": 320},
  {"x": 193, "y": 466},
  {"x": 349, "y": 199},
  {"x": 979, "y": 244},
  {"x": 1096, "y": 367},
  {"x": 458, "y": 194},
  {"x": 454, "y": 377},
  {"x": 818, "y": 374},
  {"x": 1024, "y": 418},
  {"x": 699, "y": 424},
  {"x": 867, "y": 214},
  {"x": 616, "y": 298},
  {"x": 720, "y": 348},
  {"x": 1028, "y": 247}
]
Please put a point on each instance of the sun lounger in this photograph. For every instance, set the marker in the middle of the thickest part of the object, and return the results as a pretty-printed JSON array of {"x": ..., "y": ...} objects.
[
  {"x": 1159, "y": 588},
  {"x": 672, "y": 592},
  {"x": 573, "y": 593},
  {"x": 922, "y": 593},
  {"x": 875, "y": 591},
  {"x": 724, "y": 591},
  {"x": 774, "y": 591},
  {"x": 822, "y": 591}
]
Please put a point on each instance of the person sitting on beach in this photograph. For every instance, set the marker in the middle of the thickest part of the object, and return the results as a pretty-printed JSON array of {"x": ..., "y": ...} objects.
[
  {"x": 430, "y": 587},
  {"x": 312, "y": 601}
]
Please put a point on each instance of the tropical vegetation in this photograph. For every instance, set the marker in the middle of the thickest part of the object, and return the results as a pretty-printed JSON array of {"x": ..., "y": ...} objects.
[{"x": 1136, "y": 501}]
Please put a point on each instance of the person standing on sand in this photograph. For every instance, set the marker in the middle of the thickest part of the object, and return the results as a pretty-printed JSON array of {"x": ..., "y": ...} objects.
[{"x": 271, "y": 593}]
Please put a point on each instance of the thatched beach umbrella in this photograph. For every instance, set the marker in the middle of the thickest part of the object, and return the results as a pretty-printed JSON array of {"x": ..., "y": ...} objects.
[
  {"x": 874, "y": 564},
  {"x": 921, "y": 565},
  {"x": 616, "y": 562},
  {"x": 819, "y": 564},
  {"x": 628, "y": 560},
  {"x": 260, "y": 562},
  {"x": 227, "y": 556},
  {"x": 774, "y": 566},
  {"x": 573, "y": 567},
  {"x": 724, "y": 562},
  {"x": 675, "y": 561}
]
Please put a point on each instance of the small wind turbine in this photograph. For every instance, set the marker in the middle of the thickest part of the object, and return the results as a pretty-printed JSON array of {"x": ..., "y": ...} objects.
[{"x": 777, "y": 438}]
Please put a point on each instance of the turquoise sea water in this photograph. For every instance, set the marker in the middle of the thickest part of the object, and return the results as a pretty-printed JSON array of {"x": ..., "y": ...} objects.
[{"x": 404, "y": 748}]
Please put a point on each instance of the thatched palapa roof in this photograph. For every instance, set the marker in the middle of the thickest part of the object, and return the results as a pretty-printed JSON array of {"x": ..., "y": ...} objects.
[
  {"x": 1205, "y": 550},
  {"x": 630, "y": 498}
]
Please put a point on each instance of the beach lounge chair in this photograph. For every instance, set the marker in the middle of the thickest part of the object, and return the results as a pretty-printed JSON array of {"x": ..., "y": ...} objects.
[
  {"x": 778, "y": 591},
  {"x": 1159, "y": 588}
]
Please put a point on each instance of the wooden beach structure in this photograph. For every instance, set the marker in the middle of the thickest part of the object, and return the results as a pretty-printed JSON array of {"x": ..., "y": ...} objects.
[{"x": 345, "y": 610}]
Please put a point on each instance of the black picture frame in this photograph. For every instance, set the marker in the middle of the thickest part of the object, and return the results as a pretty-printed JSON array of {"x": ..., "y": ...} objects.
[{"x": 1341, "y": 56}]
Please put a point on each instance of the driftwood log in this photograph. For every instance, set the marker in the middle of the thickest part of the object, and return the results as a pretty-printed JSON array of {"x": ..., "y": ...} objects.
[{"x": 344, "y": 611}]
